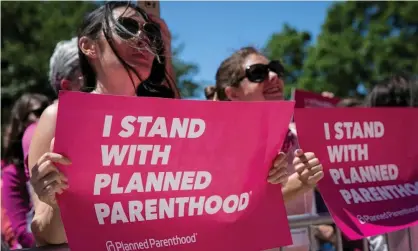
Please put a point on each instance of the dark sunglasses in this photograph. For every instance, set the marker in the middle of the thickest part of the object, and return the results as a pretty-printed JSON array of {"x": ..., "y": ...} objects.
[
  {"x": 134, "y": 28},
  {"x": 38, "y": 112},
  {"x": 259, "y": 72},
  {"x": 151, "y": 87}
]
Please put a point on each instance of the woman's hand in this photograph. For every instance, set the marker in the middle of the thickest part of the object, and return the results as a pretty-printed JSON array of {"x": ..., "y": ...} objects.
[
  {"x": 308, "y": 167},
  {"x": 328, "y": 94},
  {"x": 278, "y": 173},
  {"x": 46, "y": 179}
]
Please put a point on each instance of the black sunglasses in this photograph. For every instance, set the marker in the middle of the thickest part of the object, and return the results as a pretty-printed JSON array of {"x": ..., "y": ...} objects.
[
  {"x": 134, "y": 28},
  {"x": 151, "y": 87},
  {"x": 257, "y": 73},
  {"x": 37, "y": 112}
]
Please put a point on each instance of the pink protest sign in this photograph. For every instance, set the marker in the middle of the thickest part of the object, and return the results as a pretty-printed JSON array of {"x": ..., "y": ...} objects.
[
  {"x": 163, "y": 174},
  {"x": 370, "y": 161},
  {"x": 306, "y": 99}
]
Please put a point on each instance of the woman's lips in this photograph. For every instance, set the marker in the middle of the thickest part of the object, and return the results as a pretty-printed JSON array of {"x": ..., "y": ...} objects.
[
  {"x": 275, "y": 93},
  {"x": 273, "y": 90}
]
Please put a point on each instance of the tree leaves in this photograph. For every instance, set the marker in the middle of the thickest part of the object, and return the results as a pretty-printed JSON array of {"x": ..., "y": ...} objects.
[
  {"x": 185, "y": 72},
  {"x": 30, "y": 31},
  {"x": 360, "y": 43}
]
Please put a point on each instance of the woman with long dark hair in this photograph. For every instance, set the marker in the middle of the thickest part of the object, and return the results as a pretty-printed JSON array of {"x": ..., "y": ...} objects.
[
  {"x": 122, "y": 51},
  {"x": 15, "y": 192}
]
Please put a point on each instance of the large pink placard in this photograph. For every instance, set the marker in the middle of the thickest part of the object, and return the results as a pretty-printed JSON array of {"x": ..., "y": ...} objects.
[
  {"x": 370, "y": 160},
  {"x": 164, "y": 174}
]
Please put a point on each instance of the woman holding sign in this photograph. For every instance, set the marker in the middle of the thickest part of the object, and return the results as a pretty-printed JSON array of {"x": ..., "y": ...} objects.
[
  {"x": 120, "y": 46},
  {"x": 249, "y": 76}
]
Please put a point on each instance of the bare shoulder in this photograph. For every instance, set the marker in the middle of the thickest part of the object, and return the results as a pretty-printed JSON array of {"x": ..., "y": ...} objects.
[
  {"x": 47, "y": 122},
  {"x": 51, "y": 112},
  {"x": 43, "y": 135}
]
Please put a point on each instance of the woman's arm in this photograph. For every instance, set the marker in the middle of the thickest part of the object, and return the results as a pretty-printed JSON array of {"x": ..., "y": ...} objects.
[
  {"x": 16, "y": 201},
  {"x": 47, "y": 225}
]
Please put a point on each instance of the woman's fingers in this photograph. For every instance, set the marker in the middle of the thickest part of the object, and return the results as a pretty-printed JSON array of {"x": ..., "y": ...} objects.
[
  {"x": 63, "y": 178},
  {"x": 301, "y": 167},
  {"x": 54, "y": 187},
  {"x": 54, "y": 157},
  {"x": 57, "y": 188},
  {"x": 312, "y": 180},
  {"x": 308, "y": 167},
  {"x": 278, "y": 179},
  {"x": 311, "y": 172},
  {"x": 301, "y": 160},
  {"x": 280, "y": 158},
  {"x": 278, "y": 173},
  {"x": 45, "y": 169},
  {"x": 279, "y": 163},
  {"x": 46, "y": 179},
  {"x": 50, "y": 178}
]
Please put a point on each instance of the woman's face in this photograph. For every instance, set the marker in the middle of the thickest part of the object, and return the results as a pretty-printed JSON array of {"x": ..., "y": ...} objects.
[
  {"x": 36, "y": 110},
  {"x": 270, "y": 89},
  {"x": 134, "y": 51}
]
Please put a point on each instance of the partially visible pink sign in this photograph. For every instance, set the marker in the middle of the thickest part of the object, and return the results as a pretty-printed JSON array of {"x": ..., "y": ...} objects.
[
  {"x": 306, "y": 99},
  {"x": 370, "y": 160},
  {"x": 163, "y": 174}
]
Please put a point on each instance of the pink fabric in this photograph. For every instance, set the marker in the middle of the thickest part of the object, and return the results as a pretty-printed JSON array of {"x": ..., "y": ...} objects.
[
  {"x": 7, "y": 232},
  {"x": 16, "y": 201}
]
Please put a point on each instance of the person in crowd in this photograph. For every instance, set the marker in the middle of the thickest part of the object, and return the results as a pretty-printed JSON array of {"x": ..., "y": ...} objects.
[
  {"x": 64, "y": 67},
  {"x": 210, "y": 93},
  {"x": 247, "y": 75},
  {"x": 122, "y": 51},
  {"x": 8, "y": 238},
  {"x": 396, "y": 91},
  {"x": 15, "y": 192},
  {"x": 64, "y": 74}
]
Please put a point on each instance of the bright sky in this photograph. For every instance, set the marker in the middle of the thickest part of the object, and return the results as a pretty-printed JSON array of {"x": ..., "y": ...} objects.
[{"x": 211, "y": 31}]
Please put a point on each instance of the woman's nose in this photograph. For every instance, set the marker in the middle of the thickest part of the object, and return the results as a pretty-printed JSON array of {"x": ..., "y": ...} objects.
[{"x": 272, "y": 75}]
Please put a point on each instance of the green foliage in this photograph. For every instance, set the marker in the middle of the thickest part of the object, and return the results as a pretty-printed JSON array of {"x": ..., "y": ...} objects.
[
  {"x": 360, "y": 43},
  {"x": 291, "y": 47},
  {"x": 30, "y": 32},
  {"x": 185, "y": 72}
]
